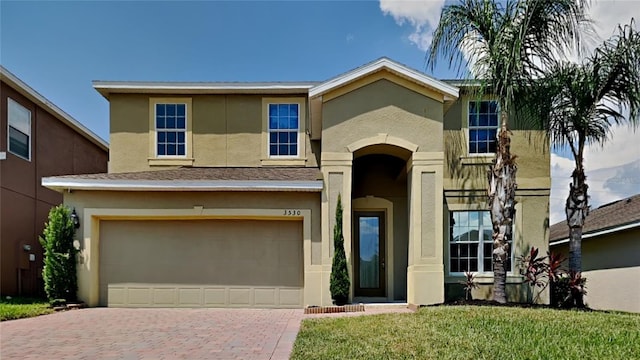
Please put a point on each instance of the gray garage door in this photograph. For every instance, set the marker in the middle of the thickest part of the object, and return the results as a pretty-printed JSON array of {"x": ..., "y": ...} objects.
[{"x": 201, "y": 263}]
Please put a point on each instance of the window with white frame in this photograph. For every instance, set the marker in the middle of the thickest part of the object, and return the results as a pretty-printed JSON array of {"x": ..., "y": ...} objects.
[
  {"x": 19, "y": 131},
  {"x": 171, "y": 129},
  {"x": 284, "y": 123},
  {"x": 483, "y": 126},
  {"x": 471, "y": 242}
]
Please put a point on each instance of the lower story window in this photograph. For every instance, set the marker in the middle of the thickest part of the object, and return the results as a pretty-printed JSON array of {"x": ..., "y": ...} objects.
[{"x": 471, "y": 242}]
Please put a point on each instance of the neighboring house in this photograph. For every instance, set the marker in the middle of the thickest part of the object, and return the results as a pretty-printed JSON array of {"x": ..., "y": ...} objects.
[
  {"x": 37, "y": 139},
  {"x": 610, "y": 254},
  {"x": 224, "y": 194}
]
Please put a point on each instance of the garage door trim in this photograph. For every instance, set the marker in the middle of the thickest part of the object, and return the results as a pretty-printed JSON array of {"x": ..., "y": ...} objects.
[{"x": 89, "y": 256}]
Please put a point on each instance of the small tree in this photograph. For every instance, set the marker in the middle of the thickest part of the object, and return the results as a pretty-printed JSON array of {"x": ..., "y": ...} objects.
[
  {"x": 59, "y": 271},
  {"x": 340, "y": 282}
]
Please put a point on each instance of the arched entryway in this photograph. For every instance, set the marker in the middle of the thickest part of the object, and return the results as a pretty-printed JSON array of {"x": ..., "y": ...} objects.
[{"x": 380, "y": 228}]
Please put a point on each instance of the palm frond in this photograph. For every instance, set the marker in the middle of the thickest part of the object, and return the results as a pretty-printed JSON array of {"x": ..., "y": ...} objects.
[
  {"x": 508, "y": 42},
  {"x": 579, "y": 103}
]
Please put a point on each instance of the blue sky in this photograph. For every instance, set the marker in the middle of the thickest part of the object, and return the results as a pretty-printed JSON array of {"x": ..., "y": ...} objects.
[{"x": 59, "y": 47}]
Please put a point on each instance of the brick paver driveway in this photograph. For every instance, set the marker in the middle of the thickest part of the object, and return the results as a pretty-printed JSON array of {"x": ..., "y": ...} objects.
[{"x": 106, "y": 333}]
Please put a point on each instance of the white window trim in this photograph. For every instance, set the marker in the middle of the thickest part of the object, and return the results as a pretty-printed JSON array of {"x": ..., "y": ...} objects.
[
  {"x": 11, "y": 102},
  {"x": 480, "y": 274},
  {"x": 467, "y": 127},
  {"x": 168, "y": 160},
  {"x": 284, "y": 160}
]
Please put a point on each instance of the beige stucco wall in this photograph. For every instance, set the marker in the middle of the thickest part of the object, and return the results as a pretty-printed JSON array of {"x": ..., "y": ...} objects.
[
  {"x": 382, "y": 107},
  {"x": 465, "y": 183},
  {"x": 382, "y": 114},
  {"x": 184, "y": 206},
  {"x": 464, "y": 171},
  {"x": 227, "y": 131},
  {"x": 611, "y": 264},
  {"x": 530, "y": 229}
]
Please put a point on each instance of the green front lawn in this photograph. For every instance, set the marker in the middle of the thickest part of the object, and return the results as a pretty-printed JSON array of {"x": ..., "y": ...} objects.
[
  {"x": 19, "y": 307},
  {"x": 470, "y": 332}
]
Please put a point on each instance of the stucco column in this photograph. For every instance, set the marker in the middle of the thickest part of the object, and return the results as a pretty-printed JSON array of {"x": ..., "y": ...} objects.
[
  {"x": 425, "y": 271},
  {"x": 336, "y": 170}
]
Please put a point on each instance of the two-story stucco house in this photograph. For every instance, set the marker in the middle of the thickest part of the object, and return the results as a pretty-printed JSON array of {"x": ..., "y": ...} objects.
[{"x": 224, "y": 194}]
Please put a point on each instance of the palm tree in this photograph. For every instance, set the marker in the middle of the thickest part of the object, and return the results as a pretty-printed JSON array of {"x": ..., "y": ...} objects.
[
  {"x": 509, "y": 42},
  {"x": 583, "y": 102}
]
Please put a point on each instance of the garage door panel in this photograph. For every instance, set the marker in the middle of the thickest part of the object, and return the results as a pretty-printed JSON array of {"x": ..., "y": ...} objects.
[
  {"x": 201, "y": 263},
  {"x": 165, "y": 295}
]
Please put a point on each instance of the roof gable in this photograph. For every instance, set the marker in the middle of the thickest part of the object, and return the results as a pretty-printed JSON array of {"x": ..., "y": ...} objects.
[{"x": 448, "y": 92}]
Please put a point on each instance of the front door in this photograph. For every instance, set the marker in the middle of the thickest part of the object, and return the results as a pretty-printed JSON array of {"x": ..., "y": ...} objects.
[{"x": 369, "y": 253}]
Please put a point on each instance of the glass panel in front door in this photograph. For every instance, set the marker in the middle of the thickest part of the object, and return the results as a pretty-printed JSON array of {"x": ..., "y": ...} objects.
[{"x": 369, "y": 252}]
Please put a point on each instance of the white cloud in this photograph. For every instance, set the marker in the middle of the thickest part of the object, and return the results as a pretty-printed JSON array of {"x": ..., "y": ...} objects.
[
  {"x": 622, "y": 147},
  {"x": 610, "y": 169},
  {"x": 561, "y": 169},
  {"x": 607, "y": 14},
  {"x": 421, "y": 15},
  {"x": 613, "y": 171}
]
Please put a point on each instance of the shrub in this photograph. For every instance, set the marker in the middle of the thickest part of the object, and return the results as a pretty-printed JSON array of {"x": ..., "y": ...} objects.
[
  {"x": 469, "y": 284},
  {"x": 566, "y": 289},
  {"x": 339, "y": 282},
  {"x": 534, "y": 269},
  {"x": 59, "y": 273}
]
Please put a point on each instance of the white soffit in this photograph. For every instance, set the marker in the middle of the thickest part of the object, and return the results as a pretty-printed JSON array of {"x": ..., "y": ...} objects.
[
  {"x": 598, "y": 233},
  {"x": 107, "y": 87},
  {"x": 59, "y": 184},
  {"x": 450, "y": 92}
]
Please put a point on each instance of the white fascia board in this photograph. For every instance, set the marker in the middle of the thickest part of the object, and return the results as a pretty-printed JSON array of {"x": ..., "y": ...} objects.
[
  {"x": 450, "y": 92},
  {"x": 106, "y": 87},
  {"x": 598, "y": 233},
  {"x": 191, "y": 185},
  {"x": 35, "y": 96}
]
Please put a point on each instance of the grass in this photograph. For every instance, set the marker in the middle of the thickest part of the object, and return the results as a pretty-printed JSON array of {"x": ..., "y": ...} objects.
[
  {"x": 20, "y": 307},
  {"x": 472, "y": 332}
]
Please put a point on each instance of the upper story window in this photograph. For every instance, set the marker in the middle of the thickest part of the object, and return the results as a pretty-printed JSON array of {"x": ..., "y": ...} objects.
[
  {"x": 171, "y": 129},
  {"x": 284, "y": 125},
  {"x": 471, "y": 242},
  {"x": 483, "y": 126},
  {"x": 19, "y": 130}
]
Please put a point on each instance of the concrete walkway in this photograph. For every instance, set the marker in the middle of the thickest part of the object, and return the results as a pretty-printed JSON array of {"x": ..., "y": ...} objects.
[{"x": 109, "y": 333}]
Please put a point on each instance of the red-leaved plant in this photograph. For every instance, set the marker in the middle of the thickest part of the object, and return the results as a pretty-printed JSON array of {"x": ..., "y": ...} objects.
[
  {"x": 577, "y": 288},
  {"x": 535, "y": 270},
  {"x": 469, "y": 284},
  {"x": 554, "y": 267}
]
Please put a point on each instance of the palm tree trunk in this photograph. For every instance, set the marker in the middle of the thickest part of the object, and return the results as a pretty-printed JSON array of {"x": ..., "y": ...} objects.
[
  {"x": 502, "y": 190},
  {"x": 576, "y": 209}
]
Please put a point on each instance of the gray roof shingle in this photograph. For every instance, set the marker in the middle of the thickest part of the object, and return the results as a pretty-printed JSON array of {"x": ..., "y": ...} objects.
[
  {"x": 209, "y": 173},
  {"x": 614, "y": 214}
]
